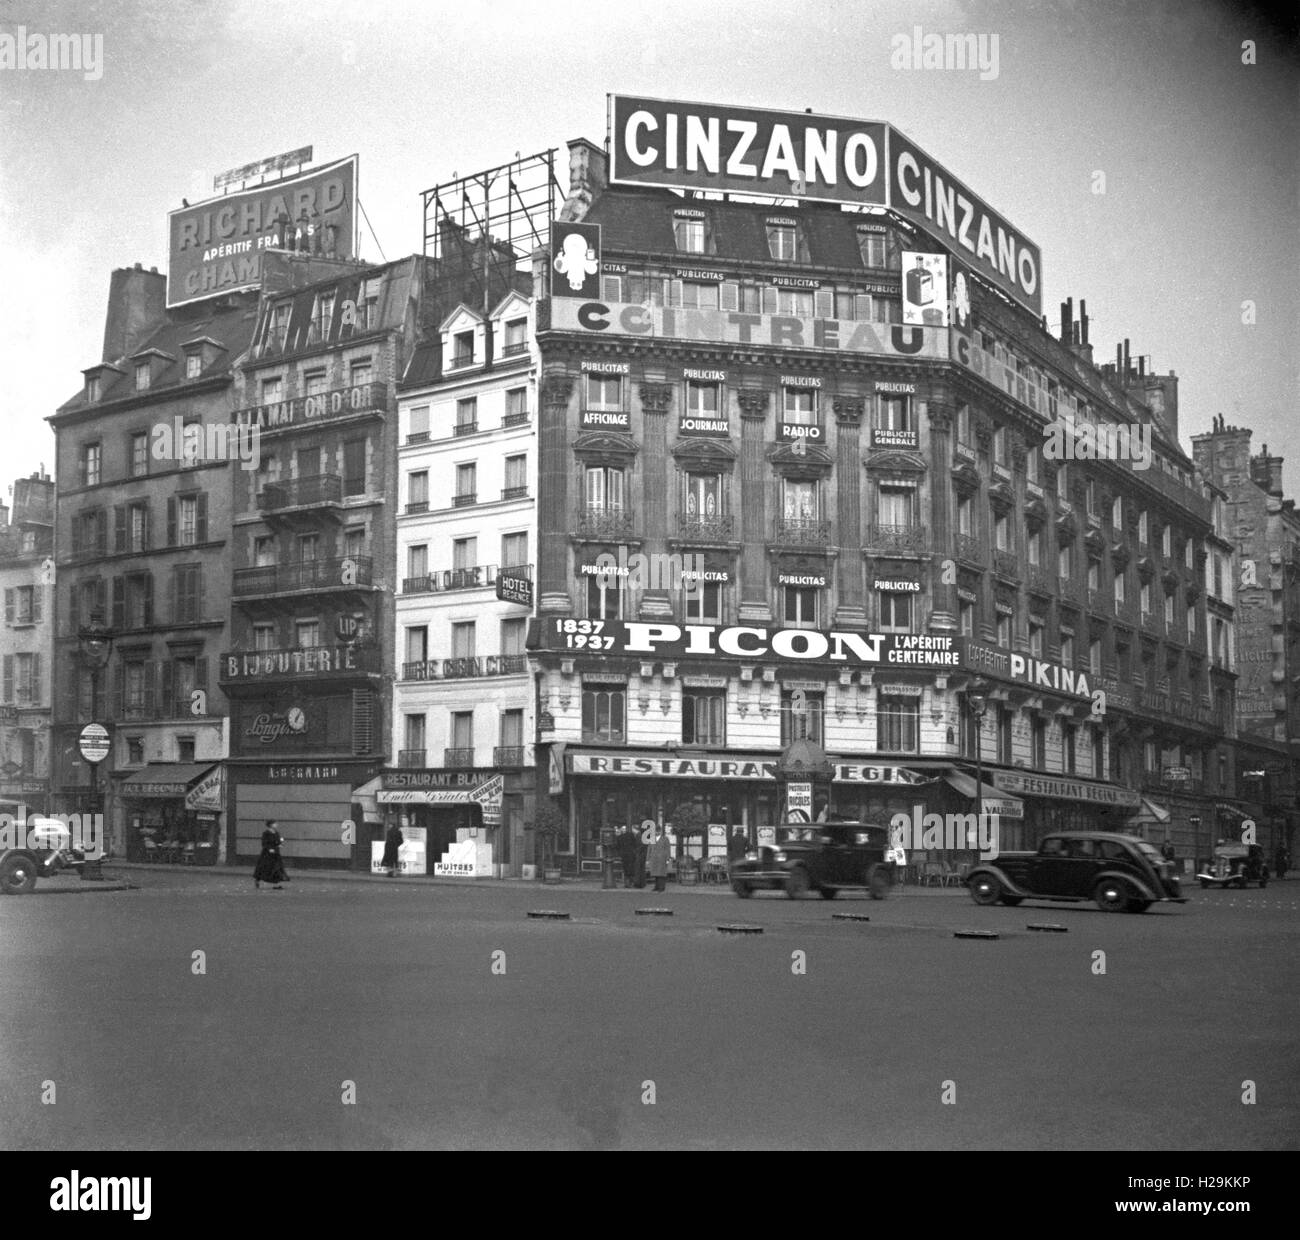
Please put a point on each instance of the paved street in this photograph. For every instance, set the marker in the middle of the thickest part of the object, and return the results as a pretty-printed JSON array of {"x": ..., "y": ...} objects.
[{"x": 390, "y": 986}]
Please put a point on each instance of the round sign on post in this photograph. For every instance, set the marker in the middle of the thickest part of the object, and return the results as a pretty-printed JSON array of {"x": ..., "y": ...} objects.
[{"x": 94, "y": 742}]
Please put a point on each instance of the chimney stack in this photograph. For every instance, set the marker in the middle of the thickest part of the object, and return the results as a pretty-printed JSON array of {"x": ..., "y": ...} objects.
[
  {"x": 588, "y": 176},
  {"x": 136, "y": 302},
  {"x": 1128, "y": 364}
]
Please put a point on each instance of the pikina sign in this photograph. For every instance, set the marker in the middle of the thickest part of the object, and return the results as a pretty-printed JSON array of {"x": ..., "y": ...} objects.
[{"x": 823, "y": 158}]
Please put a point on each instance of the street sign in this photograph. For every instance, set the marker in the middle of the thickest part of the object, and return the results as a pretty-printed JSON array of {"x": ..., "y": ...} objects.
[{"x": 94, "y": 742}]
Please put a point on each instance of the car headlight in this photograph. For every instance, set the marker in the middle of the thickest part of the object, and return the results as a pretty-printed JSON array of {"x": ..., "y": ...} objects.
[
  {"x": 751, "y": 856},
  {"x": 779, "y": 855}
]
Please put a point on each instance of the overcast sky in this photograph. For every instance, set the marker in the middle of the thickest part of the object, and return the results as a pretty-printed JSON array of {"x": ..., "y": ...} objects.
[{"x": 1199, "y": 152}]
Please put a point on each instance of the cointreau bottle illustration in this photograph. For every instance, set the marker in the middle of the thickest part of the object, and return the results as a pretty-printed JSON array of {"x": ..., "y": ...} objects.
[{"x": 920, "y": 284}]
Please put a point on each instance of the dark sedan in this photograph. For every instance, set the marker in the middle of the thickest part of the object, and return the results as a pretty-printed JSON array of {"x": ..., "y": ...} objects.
[{"x": 824, "y": 857}]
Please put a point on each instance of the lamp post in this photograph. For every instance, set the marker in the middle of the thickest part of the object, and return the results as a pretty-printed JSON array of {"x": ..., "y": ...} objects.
[
  {"x": 977, "y": 703},
  {"x": 95, "y": 641}
]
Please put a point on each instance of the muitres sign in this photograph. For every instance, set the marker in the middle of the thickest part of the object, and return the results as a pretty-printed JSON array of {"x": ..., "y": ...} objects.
[
  {"x": 742, "y": 641},
  {"x": 823, "y": 158},
  {"x": 216, "y": 246}
]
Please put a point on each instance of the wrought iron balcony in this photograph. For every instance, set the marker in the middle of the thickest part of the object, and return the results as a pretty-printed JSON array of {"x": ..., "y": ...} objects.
[
  {"x": 803, "y": 531},
  {"x": 695, "y": 528},
  {"x": 465, "y": 428},
  {"x": 515, "y": 350},
  {"x": 1040, "y": 581},
  {"x": 466, "y": 668},
  {"x": 411, "y": 757},
  {"x": 338, "y": 573},
  {"x": 322, "y": 490},
  {"x": 905, "y": 538},
  {"x": 478, "y": 577},
  {"x": 516, "y": 419},
  {"x": 1007, "y": 564},
  {"x": 458, "y": 757},
  {"x": 971, "y": 549},
  {"x": 593, "y": 522},
  {"x": 466, "y": 499},
  {"x": 509, "y": 757},
  {"x": 514, "y": 492},
  {"x": 1069, "y": 590}
]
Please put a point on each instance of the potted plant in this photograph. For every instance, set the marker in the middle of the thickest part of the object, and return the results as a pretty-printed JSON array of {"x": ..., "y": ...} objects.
[
  {"x": 688, "y": 820},
  {"x": 548, "y": 825}
]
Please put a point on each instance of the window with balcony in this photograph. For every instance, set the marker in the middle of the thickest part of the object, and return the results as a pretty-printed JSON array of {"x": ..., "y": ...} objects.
[
  {"x": 418, "y": 431},
  {"x": 88, "y": 464},
  {"x": 1121, "y": 590},
  {"x": 704, "y": 717},
  {"x": 512, "y": 733},
  {"x": 142, "y": 376},
  {"x": 264, "y": 551},
  {"x": 782, "y": 241},
  {"x": 354, "y": 467},
  {"x": 1090, "y": 497},
  {"x": 1169, "y": 607},
  {"x": 462, "y": 737},
  {"x": 965, "y": 515},
  {"x": 690, "y": 233},
  {"x": 802, "y": 713},
  {"x": 417, "y": 643},
  {"x": 139, "y": 454},
  {"x": 1034, "y": 547},
  {"x": 1117, "y": 514},
  {"x": 1004, "y": 630},
  {"x": 1033, "y": 464},
  {"x": 1191, "y": 622},
  {"x": 417, "y": 491},
  {"x": 703, "y": 497},
  {"x": 604, "y": 714},
  {"x": 516, "y": 406},
  {"x": 513, "y": 633},
  {"x": 516, "y": 338},
  {"x": 1143, "y": 528},
  {"x": 1063, "y": 484},
  {"x": 1094, "y": 573},
  {"x": 466, "y": 484},
  {"x": 1167, "y": 542},
  {"x": 1036, "y": 638},
  {"x": 604, "y": 487},
  {"x": 466, "y": 416},
  {"x": 606, "y": 596},
  {"x": 963, "y": 424},
  {"x": 701, "y": 294},
  {"x": 306, "y": 633},
  {"x": 800, "y": 499},
  {"x": 264, "y": 635},
  {"x": 315, "y": 382},
  {"x": 801, "y": 606},
  {"x": 464, "y": 639},
  {"x": 896, "y": 611},
  {"x": 464, "y": 554},
  {"x": 898, "y": 724},
  {"x": 1144, "y": 599},
  {"x": 1188, "y": 553},
  {"x": 308, "y": 548},
  {"x": 414, "y": 742},
  {"x": 1002, "y": 531},
  {"x": 966, "y": 617},
  {"x": 462, "y": 348},
  {"x": 516, "y": 477},
  {"x": 514, "y": 550},
  {"x": 1000, "y": 445},
  {"x": 1065, "y": 561}
]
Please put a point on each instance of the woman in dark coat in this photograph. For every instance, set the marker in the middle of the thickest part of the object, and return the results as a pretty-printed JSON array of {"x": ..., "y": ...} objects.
[
  {"x": 270, "y": 865},
  {"x": 393, "y": 840}
]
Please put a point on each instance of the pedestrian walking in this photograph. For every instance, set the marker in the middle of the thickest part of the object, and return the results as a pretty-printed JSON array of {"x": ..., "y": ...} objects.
[
  {"x": 270, "y": 865},
  {"x": 627, "y": 850},
  {"x": 737, "y": 845},
  {"x": 1281, "y": 861},
  {"x": 659, "y": 858},
  {"x": 1167, "y": 850},
  {"x": 393, "y": 840}
]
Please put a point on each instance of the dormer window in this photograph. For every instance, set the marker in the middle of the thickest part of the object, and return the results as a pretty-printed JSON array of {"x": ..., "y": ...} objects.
[
  {"x": 141, "y": 376},
  {"x": 690, "y": 231},
  {"x": 516, "y": 338},
  {"x": 193, "y": 365},
  {"x": 93, "y": 388},
  {"x": 322, "y": 317},
  {"x": 871, "y": 245},
  {"x": 462, "y": 349},
  {"x": 277, "y": 328},
  {"x": 782, "y": 239}
]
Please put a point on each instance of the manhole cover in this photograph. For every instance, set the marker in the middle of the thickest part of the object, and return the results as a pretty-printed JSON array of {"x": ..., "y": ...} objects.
[
  {"x": 1049, "y": 926},
  {"x": 974, "y": 934},
  {"x": 548, "y": 914},
  {"x": 654, "y": 912},
  {"x": 741, "y": 929},
  {"x": 849, "y": 917}
]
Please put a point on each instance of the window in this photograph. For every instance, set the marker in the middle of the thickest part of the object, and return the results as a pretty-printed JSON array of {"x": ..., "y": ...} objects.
[
  {"x": 93, "y": 388},
  {"x": 354, "y": 467},
  {"x": 360, "y": 372},
  {"x": 1090, "y": 497},
  {"x": 604, "y": 713},
  {"x": 1038, "y": 743},
  {"x": 1094, "y": 573},
  {"x": 1034, "y": 547},
  {"x": 368, "y": 304},
  {"x": 966, "y": 617},
  {"x": 264, "y": 551},
  {"x": 133, "y": 601},
  {"x": 689, "y": 233},
  {"x": 354, "y": 542},
  {"x": 306, "y": 633},
  {"x": 322, "y": 316},
  {"x": 277, "y": 327},
  {"x": 185, "y": 749},
  {"x": 413, "y": 744},
  {"x": 1144, "y": 599},
  {"x": 467, "y": 416},
  {"x": 1149, "y": 758},
  {"x": 187, "y": 584},
  {"x": 417, "y": 643},
  {"x": 135, "y": 751},
  {"x": 703, "y": 601},
  {"x": 1167, "y": 542},
  {"x": 1124, "y": 662},
  {"x": 137, "y": 527},
  {"x": 703, "y": 400},
  {"x": 965, "y": 515},
  {"x": 1004, "y": 630},
  {"x": 1120, "y": 589},
  {"x": 193, "y": 365},
  {"x": 1067, "y": 649},
  {"x": 1033, "y": 464},
  {"x": 463, "y": 639},
  {"x": 418, "y": 432},
  {"x": 1191, "y": 622},
  {"x": 512, "y": 729},
  {"x": 514, "y": 550},
  {"x": 462, "y": 732},
  {"x": 272, "y": 390},
  {"x": 516, "y": 406},
  {"x": 1004, "y": 717},
  {"x": 139, "y": 454},
  {"x": 704, "y": 717},
  {"x": 1065, "y": 562},
  {"x": 264, "y": 636},
  {"x": 800, "y": 406},
  {"x": 314, "y": 382},
  {"x": 1098, "y": 744},
  {"x": 308, "y": 548},
  {"x": 1169, "y": 607},
  {"x": 963, "y": 424},
  {"x": 142, "y": 376},
  {"x": 800, "y": 499},
  {"x": 605, "y": 596},
  {"x": 88, "y": 466},
  {"x": 703, "y": 496},
  {"x": 1094, "y": 657},
  {"x": 185, "y": 679},
  {"x": 893, "y": 413},
  {"x": 797, "y": 302},
  {"x": 802, "y": 711},
  {"x": 781, "y": 241},
  {"x": 1187, "y": 554},
  {"x": 1117, "y": 514},
  {"x": 23, "y": 604},
  {"x": 464, "y": 554},
  {"x": 1002, "y": 531},
  {"x": 898, "y": 724},
  {"x": 513, "y": 633},
  {"x": 605, "y": 392},
  {"x": 871, "y": 246},
  {"x": 895, "y": 612},
  {"x": 800, "y": 606},
  {"x": 1036, "y": 638},
  {"x": 1143, "y": 527},
  {"x": 516, "y": 338},
  {"x": 462, "y": 345},
  {"x": 516, "y": 477},
  {"x": 417, "y": 491},
  {"x": 701, "y": 294},
  {"x": 604, "y": 486},
  {"x": 1000, "y": 445},
  {"x": 1063, "y": 484}
]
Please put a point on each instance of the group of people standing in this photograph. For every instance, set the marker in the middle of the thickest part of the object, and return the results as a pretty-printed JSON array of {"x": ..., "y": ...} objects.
[{"x": 639, "y": 856}]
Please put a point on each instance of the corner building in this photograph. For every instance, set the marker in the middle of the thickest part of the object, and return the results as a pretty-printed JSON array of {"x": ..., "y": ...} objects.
[{"x": 824, "y": 524}]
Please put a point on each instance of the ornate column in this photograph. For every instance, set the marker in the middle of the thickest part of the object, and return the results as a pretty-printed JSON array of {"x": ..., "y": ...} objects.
[
  {"x": 752, "y": 502},
  {"x": 944, "y": 610},
  {"x": 656, "y": 491},
  {"x": 555, "y": 515},
  {"x": 851, "y": 611}
]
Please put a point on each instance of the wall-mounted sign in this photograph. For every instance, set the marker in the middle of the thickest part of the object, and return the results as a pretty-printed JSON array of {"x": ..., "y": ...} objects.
[
  {"x": 890, "y": 388},
  {"x": 259, "y": 168},
  {"x": 309, "y": 663},
  {"x": 270, "y": 727},
  {"x": 794, "y": 281},
  {"x": 883, "y": 438},
  {"x": 801, "y": 381},
  {"x": 605, "y": 419},
  {"x": 729, "y": 327},
  {"x": 93, "y": 742},
  {"x": 1037, "y": 673},
  {"x": 925, "y": 288},
  {"x": 897, "y": 587},
  {"x": 746, "y": 150},
  {"x": 800, "y": 432},
  {"x": 413, "y": 779},
  {"x": 1066, "y": 789},
  {"x": 739, "y": 641},
  {"x": 512, "y": 588},
  {"x": 338, "y": 403},
  {"x": 216, "y": 246},
  {"x": 209, "y": 793},
  {"x": 575, "y": 256},
  {"x": 802, "y": 579},
  {"x": 699, "y": 273},
  {"x": 607, "y": 368},
  {"x": 798, "y": 802}
]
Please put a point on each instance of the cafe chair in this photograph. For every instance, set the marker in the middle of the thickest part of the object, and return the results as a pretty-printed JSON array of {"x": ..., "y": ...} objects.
[{"x": 151, "y": 850}]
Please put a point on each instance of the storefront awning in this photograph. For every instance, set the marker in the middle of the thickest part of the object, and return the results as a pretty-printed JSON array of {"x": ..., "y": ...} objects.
[
  {"x": 991, "y": 800},
  {"x": 164, "y": 780},
  {"x": 1149, "y": 814}
]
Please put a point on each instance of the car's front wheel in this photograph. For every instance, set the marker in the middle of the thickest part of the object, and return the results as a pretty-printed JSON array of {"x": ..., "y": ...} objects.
[
  {"x": 797, "y": 883},
  {"x": 742, "y": 889},
  {"x": 1111, "y": 895},
  {"x": 17, "y": 875},
  {"x": 985, "y": 889},
  {"x": 878, "y": 884},
  {"x": 829, "y": 893}
]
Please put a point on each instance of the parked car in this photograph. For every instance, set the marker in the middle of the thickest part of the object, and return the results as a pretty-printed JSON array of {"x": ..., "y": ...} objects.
[
  {"x": 1235, "y": 864},
  {"x": 1120, "y": 872},
  {"x": 46, "y": 850},
  {"x": 826, "y": 857}
]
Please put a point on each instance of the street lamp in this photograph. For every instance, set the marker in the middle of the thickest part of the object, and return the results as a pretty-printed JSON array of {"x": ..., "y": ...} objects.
[
  {"x": 977, "y": 701},
  {"x": 96, "y": 643}
]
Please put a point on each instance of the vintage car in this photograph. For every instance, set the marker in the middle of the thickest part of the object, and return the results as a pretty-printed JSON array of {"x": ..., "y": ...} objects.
[
  {"x": 45, "y": 850},
  {"x": 1120, "y": 872},
  {"x": 1235, "y": 865},
  {"x": 826, "y": 857}
]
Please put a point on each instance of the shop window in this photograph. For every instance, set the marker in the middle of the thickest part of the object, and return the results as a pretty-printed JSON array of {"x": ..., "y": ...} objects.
[
  {"x": 704, "y": 718},
  {"x": 604, "y": 712},
  {"x": 802, "y": 713},
  {"x": 898, "y": 724}
]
